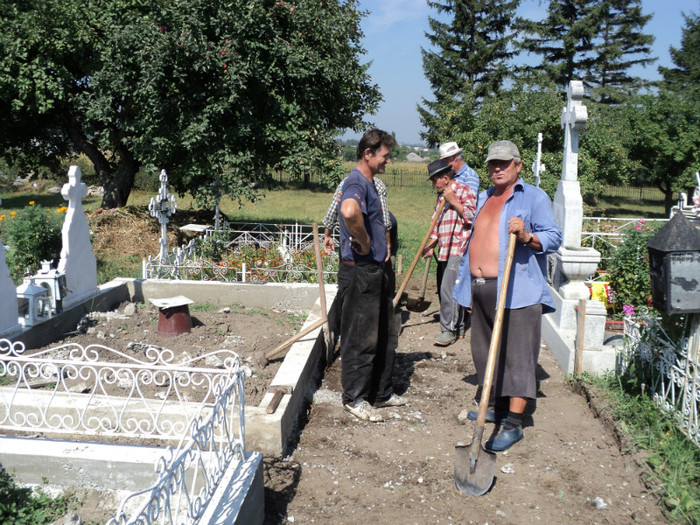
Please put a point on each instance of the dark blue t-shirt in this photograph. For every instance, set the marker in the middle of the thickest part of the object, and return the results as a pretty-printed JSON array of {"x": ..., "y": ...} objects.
[{"x": 357, "y": 187}]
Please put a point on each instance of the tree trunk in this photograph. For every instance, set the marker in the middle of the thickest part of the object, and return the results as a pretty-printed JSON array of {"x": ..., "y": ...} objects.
[
  {"x": 117, "y": 188},
  {"x": 668, "y": 197}
]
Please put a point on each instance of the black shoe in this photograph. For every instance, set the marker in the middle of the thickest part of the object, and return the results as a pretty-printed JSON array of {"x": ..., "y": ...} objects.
[{"x": 505, "y": 439}]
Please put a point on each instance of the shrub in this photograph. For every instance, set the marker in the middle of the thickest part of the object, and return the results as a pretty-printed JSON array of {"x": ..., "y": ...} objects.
[
  {"x": 34, "y": 235},
  {"x": 629, "y": 269}
]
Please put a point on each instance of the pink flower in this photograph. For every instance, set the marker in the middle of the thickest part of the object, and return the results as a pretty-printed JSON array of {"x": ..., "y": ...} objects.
[{"x": 628, "y": 309}]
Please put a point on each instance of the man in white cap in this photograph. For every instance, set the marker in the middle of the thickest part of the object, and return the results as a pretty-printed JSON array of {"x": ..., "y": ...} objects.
[{"x": 452, "y": 154}]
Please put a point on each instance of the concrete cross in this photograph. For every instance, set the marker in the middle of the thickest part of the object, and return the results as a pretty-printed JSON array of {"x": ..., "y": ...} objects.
[
  {"x": 162, "y": 208},
  {"x": 573, "y": 119},
  {"x": 74, "y": 191}
]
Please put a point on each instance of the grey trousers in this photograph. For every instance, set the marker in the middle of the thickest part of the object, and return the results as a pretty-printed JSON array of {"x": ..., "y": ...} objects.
[{"x": 452, "y": 314}]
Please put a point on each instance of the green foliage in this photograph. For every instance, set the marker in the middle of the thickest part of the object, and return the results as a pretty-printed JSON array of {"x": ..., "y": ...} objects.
[
  {"x": 629, "y": 269},
  {"x": 684, "y": 79},
  {"x": 210, "y": 91},
  {"x": 22, "y": 506},
  {"x": 34, "y": 235}
]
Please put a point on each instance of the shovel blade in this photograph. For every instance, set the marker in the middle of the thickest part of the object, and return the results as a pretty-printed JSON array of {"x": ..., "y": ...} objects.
[
  {"x": 417, "y": 305},
  {"x": 474, "y": 477}
]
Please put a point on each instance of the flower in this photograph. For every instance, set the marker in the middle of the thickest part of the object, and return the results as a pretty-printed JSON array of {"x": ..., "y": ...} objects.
[
  {"x": 628, "y": 310},
  {"x": 31, "y": 203}
]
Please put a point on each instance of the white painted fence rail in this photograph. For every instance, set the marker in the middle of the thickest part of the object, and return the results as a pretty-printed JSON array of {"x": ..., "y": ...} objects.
[
  {"x": 671, "y": 368},
  {"x": 99, "y": 391},
  {"x": 189, "y": 475}
]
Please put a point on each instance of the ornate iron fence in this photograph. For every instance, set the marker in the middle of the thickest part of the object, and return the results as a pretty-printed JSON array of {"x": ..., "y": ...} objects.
[
  {"x": 189, "y": 475},
  {"x": 671, "y": 370},
  {"x": 288, "y": 242},
  {"x": 100, "y": 391}
]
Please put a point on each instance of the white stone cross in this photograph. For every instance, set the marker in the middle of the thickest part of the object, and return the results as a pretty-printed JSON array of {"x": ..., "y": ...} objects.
[
  {"x": 163, "y": 208},
  {"x": 77, "y": 260},
  {"x": 573, "y": 119}
]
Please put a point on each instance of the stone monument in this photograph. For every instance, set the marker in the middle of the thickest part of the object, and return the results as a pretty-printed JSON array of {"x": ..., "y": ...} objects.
[
  {"x": 8, "y": 300},
  {"x": 162, "y": 207},
  {"x": 573, "y": 264},
  {"x": 77, "y": 261}
]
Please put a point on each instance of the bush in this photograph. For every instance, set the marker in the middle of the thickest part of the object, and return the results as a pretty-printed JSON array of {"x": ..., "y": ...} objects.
[
  {"x": 629, "y": 269},
  {"x": 34, "y": 235}
]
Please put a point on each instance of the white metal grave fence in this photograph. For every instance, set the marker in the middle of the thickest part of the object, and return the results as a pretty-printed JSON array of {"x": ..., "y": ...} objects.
[
  {"x": 98, "y": 391},
  {"x": 288, "y": 240},
  {"x": 672, "y": 369},
  {"x": 77, "y": 390},
  {"x": 604, "y": 234},
  {"x": 189, "y": 475}
]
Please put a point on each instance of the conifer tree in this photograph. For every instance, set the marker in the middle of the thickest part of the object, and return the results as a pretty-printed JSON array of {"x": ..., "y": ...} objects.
[
  {"x": 621, "y": 44},
  {"x": 565, "y": 40},
  {"x": 467, "y": 61},
  {"x": 685, "y": 77}
]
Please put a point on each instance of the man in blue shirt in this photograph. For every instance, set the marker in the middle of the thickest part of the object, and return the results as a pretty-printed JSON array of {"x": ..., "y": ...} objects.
[
  {"x": 510, "y": 206},
  {"x": 452, "y": 154},
  {"x": 367, "y": 360}
]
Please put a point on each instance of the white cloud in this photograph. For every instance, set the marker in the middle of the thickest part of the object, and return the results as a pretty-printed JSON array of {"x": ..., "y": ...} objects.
[{"x": 385, "y": 14}]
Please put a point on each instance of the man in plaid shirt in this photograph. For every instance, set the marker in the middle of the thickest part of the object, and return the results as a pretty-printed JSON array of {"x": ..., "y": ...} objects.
[{"x": 450, "y": 235}]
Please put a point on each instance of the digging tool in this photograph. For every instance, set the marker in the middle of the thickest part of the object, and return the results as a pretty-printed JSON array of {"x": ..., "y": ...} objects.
[
  {"x": 436, "y": 218},
  {"x": 474, "y": 465},
  {"x": 420, "y": 304},
  {"x": 279, "y": 351}
]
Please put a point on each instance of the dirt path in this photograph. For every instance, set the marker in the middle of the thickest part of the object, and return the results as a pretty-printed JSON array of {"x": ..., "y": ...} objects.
[{"x": 568, "y": 469}]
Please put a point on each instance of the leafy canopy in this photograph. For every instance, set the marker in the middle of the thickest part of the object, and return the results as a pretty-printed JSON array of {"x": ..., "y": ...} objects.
[{"x": 217, "y": 93}]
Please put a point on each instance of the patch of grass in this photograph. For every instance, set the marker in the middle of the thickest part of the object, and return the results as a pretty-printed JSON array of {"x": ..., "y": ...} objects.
[
  {"x": 202, "y": 307},
  {"x": 673, "y": 459}
]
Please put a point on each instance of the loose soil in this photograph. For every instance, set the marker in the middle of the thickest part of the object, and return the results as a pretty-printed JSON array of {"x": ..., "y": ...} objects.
[
  {"x": 250, "y": 332},
  {"x": 570, "y": 467}
]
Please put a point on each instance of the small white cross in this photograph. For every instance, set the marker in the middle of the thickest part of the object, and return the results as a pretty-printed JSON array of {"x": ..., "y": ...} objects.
[{"x": 74, "y": 190}]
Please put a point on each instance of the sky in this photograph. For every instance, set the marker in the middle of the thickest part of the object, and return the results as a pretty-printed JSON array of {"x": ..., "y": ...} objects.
[{"x": 394, "y": 33}]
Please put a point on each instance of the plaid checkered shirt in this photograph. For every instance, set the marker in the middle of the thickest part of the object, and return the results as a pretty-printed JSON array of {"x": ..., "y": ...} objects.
[{"x": 452, "y": 231}]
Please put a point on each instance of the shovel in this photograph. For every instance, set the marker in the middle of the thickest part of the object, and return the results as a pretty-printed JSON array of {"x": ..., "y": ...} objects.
[
  {"x": 436, "y": 218},
  {"x": 474, "y": 465},
  {"x": 420, "y": 304}
]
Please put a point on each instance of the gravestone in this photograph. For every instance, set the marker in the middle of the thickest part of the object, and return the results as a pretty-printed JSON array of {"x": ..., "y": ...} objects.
[
  {"x": 8, "y": 300},
  {"x": 572, "y": 265},
  {"x": 162, "y": 207},
  {"x": 77, "y": 260}
]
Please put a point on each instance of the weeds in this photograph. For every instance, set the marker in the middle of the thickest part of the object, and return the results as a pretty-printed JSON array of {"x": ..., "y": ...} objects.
[{"x": 673, "y": 459}]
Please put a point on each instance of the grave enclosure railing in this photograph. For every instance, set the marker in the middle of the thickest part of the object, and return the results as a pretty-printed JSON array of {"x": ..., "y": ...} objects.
[
  {"x": 669, "y": 369},
  {"x": 292, "y": 245},
  {"x": 96, "y": 391}
]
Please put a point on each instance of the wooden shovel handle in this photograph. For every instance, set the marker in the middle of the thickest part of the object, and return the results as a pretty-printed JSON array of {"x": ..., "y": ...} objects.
[
  {"x": 273, "y": 353},
  {"x": 496, "y": 334},
  {"x": 436, "y": 218}
]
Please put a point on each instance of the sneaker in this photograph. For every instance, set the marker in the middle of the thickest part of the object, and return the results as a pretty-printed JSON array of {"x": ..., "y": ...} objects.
[
  {"x": 364, "y": 411},
  {"x": 445, "y": 338},
  {"x": 393, "y": 401}
]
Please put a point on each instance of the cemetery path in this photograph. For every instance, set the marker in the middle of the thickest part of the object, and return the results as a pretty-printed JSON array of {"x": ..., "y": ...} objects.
[{"x": 570, "y": 468}]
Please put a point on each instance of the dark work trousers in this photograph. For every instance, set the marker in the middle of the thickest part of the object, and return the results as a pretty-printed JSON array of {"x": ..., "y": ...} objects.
[
  {"x": 519, "y": 349},
  {"x": 366, "y": 363}
]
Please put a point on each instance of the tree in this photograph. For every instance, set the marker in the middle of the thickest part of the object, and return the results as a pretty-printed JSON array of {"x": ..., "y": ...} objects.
[
  {"x": 621, "y": 44},
  {"x": 210, "y": 91},
  {"x": 468, "y": 63},
  {"x": 666, "y": 142},
  {"x": 684, "y": 79},
  {"x": 565, "y": 40}
]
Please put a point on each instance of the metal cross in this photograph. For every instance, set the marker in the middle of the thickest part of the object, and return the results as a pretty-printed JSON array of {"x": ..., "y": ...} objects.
[
  {"x": 537, "y": 167},
  {"x": 573, "y": 119},
  {"x": 162, "y": 208}
]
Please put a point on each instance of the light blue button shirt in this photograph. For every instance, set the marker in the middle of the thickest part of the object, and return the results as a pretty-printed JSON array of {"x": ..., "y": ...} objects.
[
  {"x": 469, "y": 177},
  {"x": 528, "y": 282}
]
